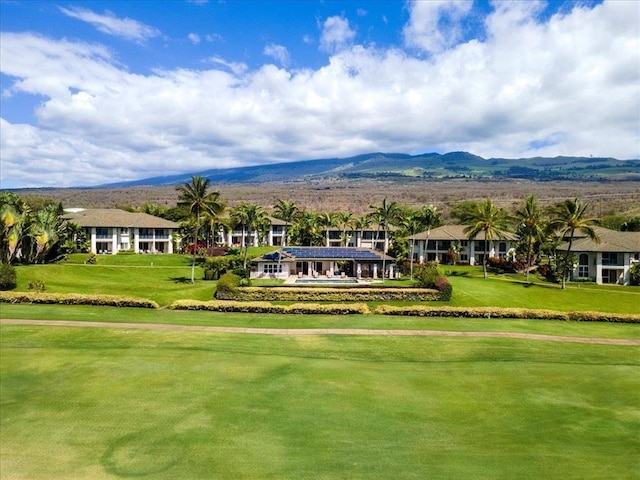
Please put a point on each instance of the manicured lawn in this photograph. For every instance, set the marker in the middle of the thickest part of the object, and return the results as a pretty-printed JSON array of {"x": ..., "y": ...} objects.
[
  {"x": 185, "y": 317},
  {"x": 165, "y": 278},
  {"x": 162, "y": 278},
  {"x": 116, "y": 403}
]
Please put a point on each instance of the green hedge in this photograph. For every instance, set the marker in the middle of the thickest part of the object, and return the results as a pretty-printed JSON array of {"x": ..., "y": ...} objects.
[
  {"x": 266, "y": 307},
  {"x": 301, "y": 294},
  {"x": 76, "y": 299},
  {"x": 517, "y": 313}
]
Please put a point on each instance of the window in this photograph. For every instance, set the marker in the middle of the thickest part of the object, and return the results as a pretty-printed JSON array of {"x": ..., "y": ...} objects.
[
  {"x": 609, "y": 258},
  {"x": 124, "y": 231},
  {"x": 272, "y": 268},
  {"x": 102, "y": 232},
  {"x": 583, "y": 266}
]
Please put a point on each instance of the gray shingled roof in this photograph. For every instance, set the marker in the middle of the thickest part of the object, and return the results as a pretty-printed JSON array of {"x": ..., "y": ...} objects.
[
  {"x": 610, "y": 241},
  {"x": 454, "y": 232},
  {"x": 112, "y": 217}
]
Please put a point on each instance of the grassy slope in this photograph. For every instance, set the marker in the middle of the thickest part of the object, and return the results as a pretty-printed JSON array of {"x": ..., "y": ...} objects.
[
  {"x": 164, "y": 278},
  {"x": 117, "y": 403}
]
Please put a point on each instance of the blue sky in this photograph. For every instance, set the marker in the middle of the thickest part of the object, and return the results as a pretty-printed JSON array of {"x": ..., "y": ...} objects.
[{"x": 99, "y": 91}]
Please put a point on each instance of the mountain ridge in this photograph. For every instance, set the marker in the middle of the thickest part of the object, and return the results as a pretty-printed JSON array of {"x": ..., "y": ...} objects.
[{"x": 404, "y": 166}]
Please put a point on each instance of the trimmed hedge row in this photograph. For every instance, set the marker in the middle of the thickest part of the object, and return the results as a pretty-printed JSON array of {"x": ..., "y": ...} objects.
[
  {"x": 265, "y": 307},
  {"x": 517, "y": 313},
  {"x": 76, "y": 299},
  {"x": 301, "y": 294}
]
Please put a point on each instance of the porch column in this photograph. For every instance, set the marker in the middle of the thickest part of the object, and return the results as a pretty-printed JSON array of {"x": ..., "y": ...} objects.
[
  {"x": 136, "y": 239},
  {"x": 375, "y": 270},
  {"x": 170, "y": 244},
  {"x": 390, "y": 271},
  {"x": 599, "y": 268},
  {"x": 93, "y": 240},
  {"x": 114, "y": 241}
]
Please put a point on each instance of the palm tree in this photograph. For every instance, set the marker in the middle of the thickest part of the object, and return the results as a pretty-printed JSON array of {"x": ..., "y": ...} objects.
[
  {"x": 489, "y": 219},
  {"x": 343, "y": 220},
  {"x": 252, "y": 217},
  {"x": 45, "y": 230},
  {"x": 568, "y": 217},
  {"x": 412, "y": 225},
  {"x": 195, "y": 195},
  {"x": 531, "y": 227},
  {"x": 287, "y": 212},
  {"x": 15, "y": 217},
  {"x": 360, "y": 224},
  {"x": 385, "y": 214}
]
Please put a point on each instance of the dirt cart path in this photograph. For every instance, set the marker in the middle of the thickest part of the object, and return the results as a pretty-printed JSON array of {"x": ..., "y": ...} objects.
[{"x": 323, "y": 331}]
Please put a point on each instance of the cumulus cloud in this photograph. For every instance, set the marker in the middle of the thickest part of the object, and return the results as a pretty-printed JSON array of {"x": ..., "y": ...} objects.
[
  {"x": 278, "y": 52},
  {"x": 336, "y": 34},
  {"x": 194, "y": 38},
  {"x": 111, "y": 25},
  {"x": 565, "y": 86},
  {"x": 435, "y": 25}
]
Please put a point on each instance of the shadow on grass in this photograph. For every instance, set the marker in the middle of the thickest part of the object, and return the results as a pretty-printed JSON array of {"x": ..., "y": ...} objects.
[
  {"x": 180, "y": 279},
  {"x": 455, "y": 273}
]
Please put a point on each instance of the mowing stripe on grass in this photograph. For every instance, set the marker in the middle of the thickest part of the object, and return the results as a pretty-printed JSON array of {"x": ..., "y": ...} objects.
[{"x": 325, "y": 331}]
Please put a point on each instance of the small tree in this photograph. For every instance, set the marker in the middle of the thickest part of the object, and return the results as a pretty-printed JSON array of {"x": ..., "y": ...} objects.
[{"x": 8, "y": 277}]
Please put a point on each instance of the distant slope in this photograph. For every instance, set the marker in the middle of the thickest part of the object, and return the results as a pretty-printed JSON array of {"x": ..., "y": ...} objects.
[{"x": 427, "y": 165}]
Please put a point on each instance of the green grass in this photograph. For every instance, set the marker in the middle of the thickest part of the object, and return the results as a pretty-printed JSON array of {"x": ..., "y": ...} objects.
[
  {"x": 162, "y": 278},
  {"x": 118, "y": 403},
  {"x": 165, "y": 278},
  {"x": 186, "y": 317}
]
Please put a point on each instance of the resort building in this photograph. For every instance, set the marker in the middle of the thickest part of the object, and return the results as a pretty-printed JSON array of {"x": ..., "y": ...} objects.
[
  {"x": 240, "y": 237},
  {"x": 111, "y": 231},
  {"x": 607, "y": 261},
  {"x": 439, "y": 243}
]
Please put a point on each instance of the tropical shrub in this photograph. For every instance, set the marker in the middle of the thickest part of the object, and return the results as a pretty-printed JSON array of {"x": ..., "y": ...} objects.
[
  {"x": 444, "y": 287},
  {"x": 227, "y": 284},
  {"x": 425, "y": 276},
  {"x": 634, "y": 273},
  {"x": 76, "y": 299},
  {"x": 8, "y": 277},
  {"x": 37, "y": 285},
  {"x": 266, "y": 307},
  {"x": 502, "y": 265},
  {"x": 215, "y": 267},
  {"x": 302, "y": 294},
  {"x": 496, "y": 312}
]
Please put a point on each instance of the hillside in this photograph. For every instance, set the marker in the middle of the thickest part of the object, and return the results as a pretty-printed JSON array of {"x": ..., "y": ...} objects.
[{"x": 427, "y": 166}]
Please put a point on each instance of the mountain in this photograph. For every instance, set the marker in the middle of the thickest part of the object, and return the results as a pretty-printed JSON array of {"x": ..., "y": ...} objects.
[{"x": 403, "y": 166}]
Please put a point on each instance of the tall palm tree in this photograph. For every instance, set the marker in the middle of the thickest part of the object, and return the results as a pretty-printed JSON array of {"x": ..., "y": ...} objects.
[
  {"x": 343, "y": 220},
  {"x": 490, "y": 220},
  {"x": 195, "y": 195},
  {"x": 412, "y": 225},
  {"x": 252, "y": 217},
  {"x": 531, "y": 227},
  {"x": 568, "y": 217},
  {"x": 360, "y": 224},
  {"x": 286, "y": 211},
  {"x": 385, "y": 214}
]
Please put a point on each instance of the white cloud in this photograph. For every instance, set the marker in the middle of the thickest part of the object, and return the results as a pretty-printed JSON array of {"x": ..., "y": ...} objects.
[
  {"x": 434, "y": 25},
  {"x": 278, "y": 52},
  {"x": 111, "y": 25},
  {"x": 336, "y": 34},
  {"x": 568, "y": 86},
  {"x": 194, "y": 38}
]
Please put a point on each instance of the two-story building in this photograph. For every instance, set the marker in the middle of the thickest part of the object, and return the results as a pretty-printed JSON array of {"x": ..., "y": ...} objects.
[
  {"x": 435, "y": 244},
  {"x": 606, "y": 261},
  {"x": 112, "y": 230}
]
